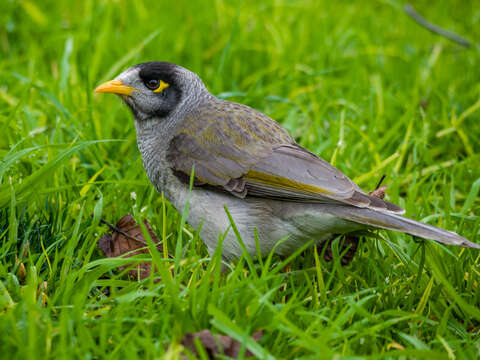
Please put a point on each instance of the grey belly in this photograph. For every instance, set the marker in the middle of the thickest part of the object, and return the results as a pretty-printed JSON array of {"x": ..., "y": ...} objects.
[{"x": 290, "y": 223}]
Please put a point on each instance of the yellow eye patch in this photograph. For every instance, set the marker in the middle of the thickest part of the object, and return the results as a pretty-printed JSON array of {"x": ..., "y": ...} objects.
[{"x": 163, "y": 85}]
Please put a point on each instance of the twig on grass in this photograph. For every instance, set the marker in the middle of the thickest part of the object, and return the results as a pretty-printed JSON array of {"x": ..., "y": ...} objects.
[
  {"x": 381, "y": 181},
  {"x": 120, "y": 231},
  {"x": 435, "y": 28}
]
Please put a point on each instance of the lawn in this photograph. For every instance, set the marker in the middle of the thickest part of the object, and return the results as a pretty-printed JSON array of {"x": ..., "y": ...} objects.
[{"x": 359, "y": 83}]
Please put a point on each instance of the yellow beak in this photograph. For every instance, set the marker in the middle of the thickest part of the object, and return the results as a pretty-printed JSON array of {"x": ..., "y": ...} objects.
[{"x": 115, "y": 87}]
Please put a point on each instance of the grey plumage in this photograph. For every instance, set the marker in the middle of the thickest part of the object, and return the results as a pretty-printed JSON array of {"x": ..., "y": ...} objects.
[{"x": 247, "y": 162}]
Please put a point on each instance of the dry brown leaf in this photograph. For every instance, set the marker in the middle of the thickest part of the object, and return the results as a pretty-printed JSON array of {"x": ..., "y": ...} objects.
[
  {"x": 22, "y": 272},
  {"x": 379, "y": 193},
  {"x": 215, "y": 344},
  {"x": 350, "y": 242},
  {"x": 126, "y": 238}
]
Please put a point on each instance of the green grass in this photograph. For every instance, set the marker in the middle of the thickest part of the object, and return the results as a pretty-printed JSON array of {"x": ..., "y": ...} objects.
[{"x": 356, "y": 82}]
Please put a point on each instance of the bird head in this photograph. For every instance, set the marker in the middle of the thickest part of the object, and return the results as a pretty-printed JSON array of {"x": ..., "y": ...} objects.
[{"x": 154, "y": 90}]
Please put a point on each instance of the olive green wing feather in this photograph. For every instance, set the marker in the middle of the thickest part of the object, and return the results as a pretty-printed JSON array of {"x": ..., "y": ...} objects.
[
  {"x": 294, "y": 173},
  {"x": 222, "y": 141},
  {"x": 242, "y": 151}
]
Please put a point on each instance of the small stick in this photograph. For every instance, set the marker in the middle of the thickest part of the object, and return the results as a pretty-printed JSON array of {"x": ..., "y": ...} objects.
[
  {"x": 120, "y": 231},
  {"x": 435, "y": 28},
  {"x": 380, "y": 182}
]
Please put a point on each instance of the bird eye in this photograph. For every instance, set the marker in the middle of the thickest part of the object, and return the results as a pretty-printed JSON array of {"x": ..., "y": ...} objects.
[{"x": 152, "y": 84}]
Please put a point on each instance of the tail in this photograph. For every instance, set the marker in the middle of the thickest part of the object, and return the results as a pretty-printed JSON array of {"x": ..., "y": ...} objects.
[{"x": 390, "y": 221}]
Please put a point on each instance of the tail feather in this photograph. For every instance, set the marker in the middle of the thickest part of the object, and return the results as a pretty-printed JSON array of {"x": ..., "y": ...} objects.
[{"x": 391, "y": 221}]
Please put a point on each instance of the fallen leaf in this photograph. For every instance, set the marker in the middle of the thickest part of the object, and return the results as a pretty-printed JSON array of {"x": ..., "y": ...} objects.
[
  {"x": 215, "y": 344},
  {"x": 379, "y": 193},
  {"x": 21, "y": 272},
  {"x": 349, "y": 243},
  {"x": 124, "y": 239}
]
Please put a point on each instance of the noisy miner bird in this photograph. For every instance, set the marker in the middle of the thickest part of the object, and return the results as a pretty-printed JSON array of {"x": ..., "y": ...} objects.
[{"x": 245, "y": 161}]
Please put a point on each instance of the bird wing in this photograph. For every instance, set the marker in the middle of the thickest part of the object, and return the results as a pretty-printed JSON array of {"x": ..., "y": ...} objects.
[
  {"x": 242, "y": 151},
  {"x": 223, "y": 141},
  {"x": 294, "y": 173}
]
